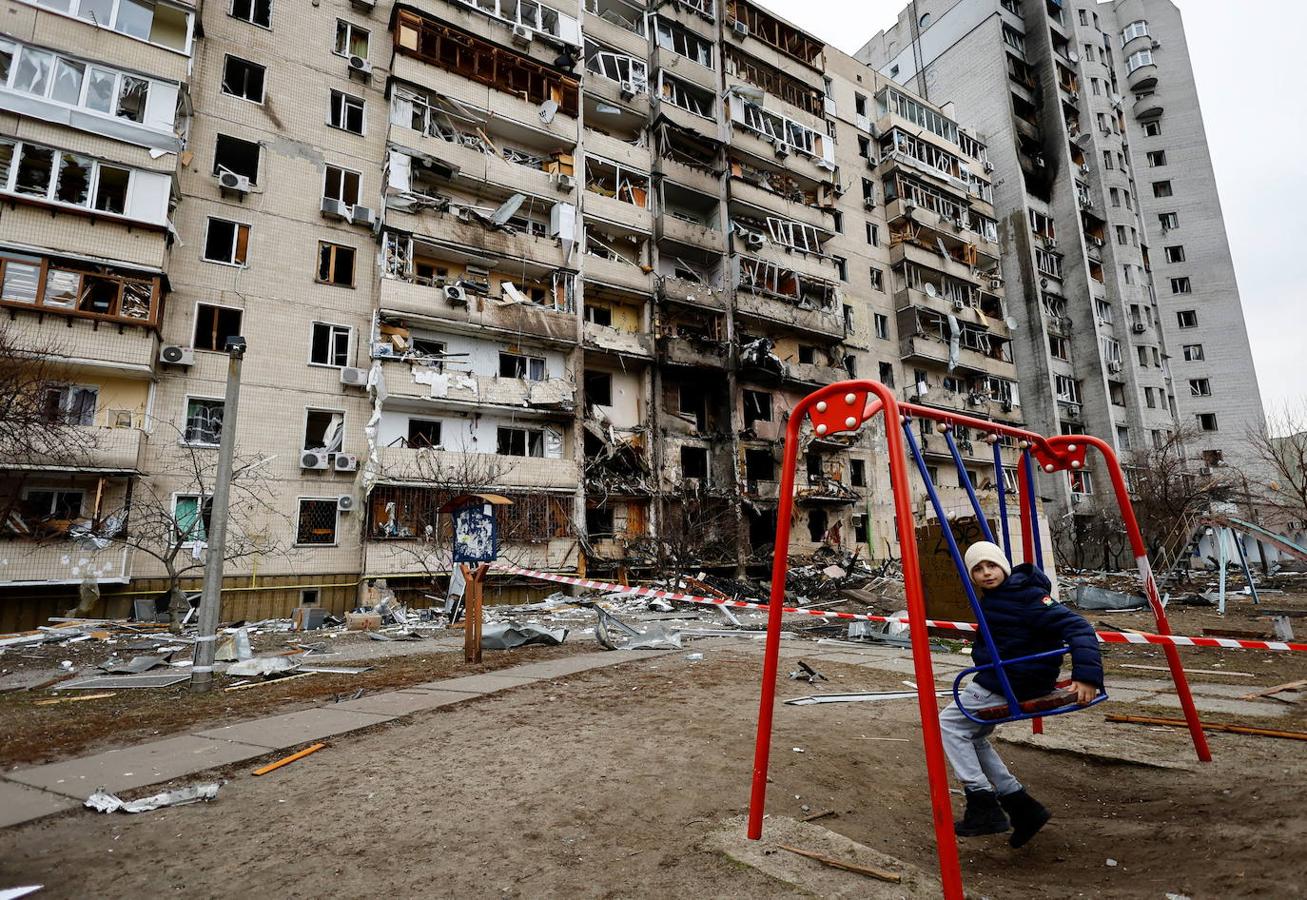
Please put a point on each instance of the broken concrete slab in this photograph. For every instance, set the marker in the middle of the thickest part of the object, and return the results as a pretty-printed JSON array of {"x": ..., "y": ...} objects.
[
  {"x": 133, "y": 767},
  {"x": 400, "y": 703},
  {"x": 810, "y": 877},
  {"x": 19, "y": 803},
  {"x": 279, "y": 732}
]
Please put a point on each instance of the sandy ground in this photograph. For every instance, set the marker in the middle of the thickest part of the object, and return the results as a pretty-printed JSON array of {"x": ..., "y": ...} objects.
[{"x": 611, "y": 784}]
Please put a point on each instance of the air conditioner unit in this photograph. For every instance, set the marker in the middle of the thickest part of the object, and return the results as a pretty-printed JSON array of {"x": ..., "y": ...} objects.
[
  {"x": 565, "y": 183},
  {"x": 365, "y": 5},
  {"x": 782, "y": 149},
  {"x": 351, "y": 377},
  {"x": 230, "y": 181},
  {"x": 989, "y": 166},
  {"x": 361, "y": 67},
  {"x": 995, "y": 283},
  {"x": 314, "y": 459},
  {"x": 346, "y": 462},
  {"x": 177, "y": 356},
  {"x": 959, "y": 305},
  {"x": 871, "y": 162},
  {"x": 868, "y": 202},
  {"x": 334, "y": 207},
  {"x": 1157, "y": 45},
  {"x": 628, "y": 90},
  {"x": 345, "y": 503},
  {"x": 456, "y": 294},
  {"x": 1138, "y": 328},
  {"x": 753, "y": 240},
  {"x": 1113, "y": 366},
  {"x": 522, "y": 35},
  {"x": 363, "y": 216},
  {"x": 739, "y": 29}
]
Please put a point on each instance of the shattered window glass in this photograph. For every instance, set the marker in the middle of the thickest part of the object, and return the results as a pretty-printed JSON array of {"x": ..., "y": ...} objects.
[
  {"x": 61, "y": 287},
  {"x": 135, "y": 18},
  {"x": 7, "y": 51},
  {"x": 131, "y": 99},
  {"x": 100, "y": 90},
  {"x": 203, "y": 422},
  {"x": 33, "y": 75},
  {"x": 20, "y": 282},
  {"x": 111, "y": 189},
  {"x": 74, "y": 185},
  {"x": 35, "y": 167},
  {"x": 68, "y": 81},
  {"x": 99, "y": 295},
  {"x": 6, "y": 162},
  {"x": 136, "y": 301},
  {"x": 192, "y": 524},
  {"x": 99, "y": 12}
]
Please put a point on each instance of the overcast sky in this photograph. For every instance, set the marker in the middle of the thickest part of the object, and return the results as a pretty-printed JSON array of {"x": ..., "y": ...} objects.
[{"x": 1247, "y": 60}]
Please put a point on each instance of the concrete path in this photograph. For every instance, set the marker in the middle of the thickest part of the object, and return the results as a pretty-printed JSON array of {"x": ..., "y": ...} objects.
[{"x": 30, "y": 793}]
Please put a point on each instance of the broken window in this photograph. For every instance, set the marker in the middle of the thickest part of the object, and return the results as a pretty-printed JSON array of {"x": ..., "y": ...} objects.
[
  {"x": 423, "y": 433},
  {"x": 111, "y": 188},
  {"x": 619, "y": 12},
  {"x": 692, "y": 401},
  {"x": 1181, "y": 286},
  {"x": 513, "y": 365},
  {"x": 191, "y": 518},
  {"x": 213, "y": 325},
  {"x": 775, "y": 33},
  {"x": 670, "y": 35},
  {"x": 858, "y": 472},
  {"x": 1175, "y": 254},
  {"x": 774, "y": 81},
  {"x": 232, "y": 154},
  {"x": 886, "y": 374},
  {"x": 1068, "y": 389},
  {"x": 521, "y": 442},
  {"x": 1082, "y": 482},
  {"x": 599, "y": 388},
  {"x": 795, "y": 235},
  {"x": 631, "y": 73},
  {"x": 1200, "y": 387},
  {"x": 324, "y": 429},
  {"x": 759, "y": 465},
  {"x": 346, "y": 112},
  {"x": 351, "y": 40},
  {"x": 256, "y": 12},
  {"x": 1161, "y": 189},
  {"x": 243, "y": 79},
  {"x": 341, "y": 184},
  {"x": 132, "y": 95},
  {"x": 35, "y": 169},
  {"x": 599, "y": 315},
  {"x": 613, "y": 180},
  {"x": 757, "y": 407},
  {"x": 74, "y": 183},
  {"x": 226, "y": 242},
  {"x": 694, "y": 463},
  {"x": 1059, "y": 347},
  {"x": 317, "y": 521},
  {"x": 1168, "y": 220},
  {"x": 71, "y": 405},
  {"x": 329, "y": 344},
  {"x": 1187, "y": 318},
  {"x": 686, "y": 96},
  {"x": 1193, "y": 352},
  {"x": 203, "y": 422},
  {"x": 335, "y": 264}
]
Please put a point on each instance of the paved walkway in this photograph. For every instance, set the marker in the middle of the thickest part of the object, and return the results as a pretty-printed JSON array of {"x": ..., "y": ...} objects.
[{"x": 31, "y": 793}]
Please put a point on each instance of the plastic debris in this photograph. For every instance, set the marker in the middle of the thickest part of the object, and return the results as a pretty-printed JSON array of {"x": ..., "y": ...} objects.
[
  {"x": 262, "y": 665},
  {"x": 105, "y": 802},
  {"x": 507, "y": 635}
]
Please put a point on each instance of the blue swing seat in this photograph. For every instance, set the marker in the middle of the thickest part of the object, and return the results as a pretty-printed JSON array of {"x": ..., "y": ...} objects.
[{"x": 1056, "y": 703}]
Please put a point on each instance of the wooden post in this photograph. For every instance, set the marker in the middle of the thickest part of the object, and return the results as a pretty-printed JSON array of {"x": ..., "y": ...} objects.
[{"x": 472, "y": 596}]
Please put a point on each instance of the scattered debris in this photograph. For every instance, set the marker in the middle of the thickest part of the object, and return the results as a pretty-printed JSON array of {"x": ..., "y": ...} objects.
[
  {"x": 105, "y": 802},
  {"x": 146, "y": 680},
  {"x": 54, "y": 700},
  {"x": 1188, "y": 671},
  {"x": 1111, "y": 862},
  {"x": 235, "y": 647},
  {"x": 287, "y": 760},
  {"x": 16, "y": 892},
  {"x": 1287, "y": 686},
  {"x": 805, "y": 671},
  {"x": 1210, "y": 726},
  {"x": 135, "y": 666},
  {"x": 262, "y": 665},
  {"x": 250, "y": 684},
  {"x": 1089, "y": 597},
  {"x": 859, "y": 698},
  {"x": 892, "y": 877},
  {"x": 335, "y": 670},
  {"x": 507, "y": 635},
  {"x": 655, "y": 637}
]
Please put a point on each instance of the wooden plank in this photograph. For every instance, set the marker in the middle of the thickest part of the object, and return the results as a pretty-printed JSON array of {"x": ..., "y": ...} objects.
[
  {"x": 285, "y": 761},
  {"x": 1211, "y": 726},
  {"x": 241, "y": 687},
  {"x": 893, "y": 877},
  {"x": 1287, "y": 686},
  {"x": 77, "y": 699},
  {"x": 1188, "y": 671}
]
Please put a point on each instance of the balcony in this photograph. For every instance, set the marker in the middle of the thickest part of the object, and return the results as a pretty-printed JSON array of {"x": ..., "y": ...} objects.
[
  {"x": 924, "y": 348},
  {"x": 403, "y": 464},
  {"x": 815, "y": 375},
  {"x": 687, "y": 176},
  {"x": 800, "y": 165},
  {"x": 63, "y": 561},
  {"x": 516, "y": 245},
  {"x": 555, "y": 398},
  {"x": 476, "y": 165},
  {"x": 613, "y": 35},
  {"x": 478, "y": 314},
  {"x": 680, "y": 351},
  {"x": 689, "y": 293},
  {"x": 686, "y": 69},
  {"x": 931, "y": 258},
  {"x": 611, "y": 340},
  {"x": 826, "y": 324},
  {"x": 93, "y": 450},
  {"x": 1143, "y": 78},
  {"x": 908, "y": 298},
  {"x": 703, "y": 126},
  {"x": 541, "y": 49},
  {"x": 619, "y": 151},
  {"x": 618, "y": 274},
  {"x": 1148, "y": 107},
  {"x": 87, "y": 343},
  {"x": 795, "y": 210},
  {"x": 619, "y": 212},
  {"x": 706, "y": 237},
  {"x": 82, "y": 39}
]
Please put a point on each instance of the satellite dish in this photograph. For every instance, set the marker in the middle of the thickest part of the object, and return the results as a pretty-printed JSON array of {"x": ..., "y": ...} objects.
[
  {"x": 548, "y": 110},
  {"x": 930, "y": 291},
  {"x": 1011, "y": 323}
]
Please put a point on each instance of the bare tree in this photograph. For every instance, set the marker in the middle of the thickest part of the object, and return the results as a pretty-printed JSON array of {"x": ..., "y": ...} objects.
[
  {"x": 165, "y": 515},
  {"x": 42, "y": 419},
  {"x": 1281, "y": 447},
  {"x": 697, "y": 527},
  {"x": 1166, "y": 487}
]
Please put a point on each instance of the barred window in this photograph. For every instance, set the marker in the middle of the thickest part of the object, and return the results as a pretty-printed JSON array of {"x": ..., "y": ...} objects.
[
  {"x": 317, "y": 522},
  {"x": 203, "y": 421}
]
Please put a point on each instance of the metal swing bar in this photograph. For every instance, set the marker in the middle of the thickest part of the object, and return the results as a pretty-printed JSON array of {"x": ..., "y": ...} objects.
[{"x": 844, "y": 407}]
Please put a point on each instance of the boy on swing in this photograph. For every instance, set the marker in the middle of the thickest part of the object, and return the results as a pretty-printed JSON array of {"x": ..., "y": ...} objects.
[{"x": 1023, "y": 619}]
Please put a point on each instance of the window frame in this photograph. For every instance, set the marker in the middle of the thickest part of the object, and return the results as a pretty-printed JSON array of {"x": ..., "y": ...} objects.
[
  {"x": 337, "y": 107},
  {"x": 335, "y": 526},
  {"x": 235, "y": 243},
  {"x": 222, "y": 81},
  {"x": 330, "y": 281},
  {"x": 201, "y": 500},
  {"x": 327, "y": 169},
  {"x": 350, "y": 28},
  {"x": 195, "y": 324},
  {"x": 349, "y": 343},
  {"x": 250, "y": 21},
  {"x": 185, "y": 439}
]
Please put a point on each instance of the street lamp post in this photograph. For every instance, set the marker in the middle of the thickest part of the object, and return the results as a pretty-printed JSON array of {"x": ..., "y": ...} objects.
[{"x": 211, "y": 598}]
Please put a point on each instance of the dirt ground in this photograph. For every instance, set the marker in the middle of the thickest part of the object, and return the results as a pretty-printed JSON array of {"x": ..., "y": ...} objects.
[{"x": 608, "y": 784}]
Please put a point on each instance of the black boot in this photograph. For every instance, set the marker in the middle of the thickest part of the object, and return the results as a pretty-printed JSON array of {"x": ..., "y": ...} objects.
[
  {"x": 983, "y": 816},
  {"x": 1028, "y": 816}
]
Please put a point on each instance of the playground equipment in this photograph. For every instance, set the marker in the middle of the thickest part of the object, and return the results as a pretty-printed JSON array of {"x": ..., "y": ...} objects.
[{"x": 844, "y": 407}]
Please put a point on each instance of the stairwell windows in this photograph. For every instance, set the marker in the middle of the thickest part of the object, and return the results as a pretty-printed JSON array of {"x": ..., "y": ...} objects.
[{"x": 1107, "y": 159}]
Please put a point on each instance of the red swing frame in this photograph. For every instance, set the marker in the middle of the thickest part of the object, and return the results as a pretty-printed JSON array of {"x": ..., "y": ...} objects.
[{"x": 844, "y": 407}]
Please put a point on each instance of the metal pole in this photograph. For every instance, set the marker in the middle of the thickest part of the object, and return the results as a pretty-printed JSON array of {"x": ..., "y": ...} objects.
[{"x": 211, "y": 598}]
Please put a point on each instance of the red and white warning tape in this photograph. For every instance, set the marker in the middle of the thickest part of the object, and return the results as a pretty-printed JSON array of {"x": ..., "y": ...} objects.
[{"x": 1106, "y": 637}]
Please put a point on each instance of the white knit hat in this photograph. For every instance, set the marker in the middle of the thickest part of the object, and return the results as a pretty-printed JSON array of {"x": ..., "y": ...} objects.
[{"x": 985, "y": 551}]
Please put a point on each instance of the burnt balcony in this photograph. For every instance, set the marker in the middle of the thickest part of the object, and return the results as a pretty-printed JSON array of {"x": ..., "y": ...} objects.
[{"x": 477, "y": 313}]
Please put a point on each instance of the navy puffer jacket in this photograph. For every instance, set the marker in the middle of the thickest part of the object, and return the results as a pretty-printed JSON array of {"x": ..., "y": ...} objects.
[{"x": 1024, "y": 619}]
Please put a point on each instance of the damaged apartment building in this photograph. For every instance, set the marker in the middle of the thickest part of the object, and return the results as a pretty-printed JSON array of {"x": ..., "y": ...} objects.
[{"x": 586, "y": 264}]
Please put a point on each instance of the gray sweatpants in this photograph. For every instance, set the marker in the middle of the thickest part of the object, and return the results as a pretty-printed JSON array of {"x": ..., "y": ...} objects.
[{"x": 966, "y": 743}]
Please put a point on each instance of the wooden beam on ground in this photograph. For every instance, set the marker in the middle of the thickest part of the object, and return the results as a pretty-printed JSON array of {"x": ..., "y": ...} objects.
[
  {"x": 1210, "y": 726},
  {"x": 1287, "y": 686},
  {"x": 893, "y": 877},
  {"x": 285, "y": 761},
  {"x": 1189, "y": 671}
]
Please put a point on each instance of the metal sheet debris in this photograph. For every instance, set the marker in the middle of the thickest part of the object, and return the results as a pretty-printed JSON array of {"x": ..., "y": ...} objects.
[
  {"x": 135, "y": 666},
  {"x": 1089, "y": 597},
  {"x": 262, "y": 665},
  {"x": 147, "y": 680},
  {"x": 507, "y": 635},
  {"x": 655, "y": 637},
  {"x": 105, "y": 802},
  {"x": 807, "y": 673}
]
